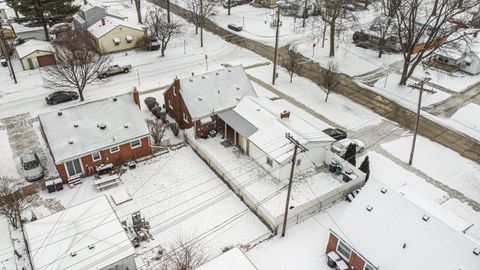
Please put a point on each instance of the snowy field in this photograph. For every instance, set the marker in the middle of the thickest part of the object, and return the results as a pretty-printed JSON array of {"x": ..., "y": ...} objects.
[
  {"x": 469, "y": 116},
  {"x": 8, "y": 164}
]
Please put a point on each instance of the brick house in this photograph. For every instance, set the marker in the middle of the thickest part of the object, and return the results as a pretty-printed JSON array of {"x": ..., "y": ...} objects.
[
  {"x": 107, "y": 131},
  {"x": 195, "y": 101},
  {"x": 400, "y": 229}
]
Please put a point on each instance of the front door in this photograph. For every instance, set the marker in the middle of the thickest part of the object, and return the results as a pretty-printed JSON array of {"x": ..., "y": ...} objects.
[{"x": 74, "y": 168}]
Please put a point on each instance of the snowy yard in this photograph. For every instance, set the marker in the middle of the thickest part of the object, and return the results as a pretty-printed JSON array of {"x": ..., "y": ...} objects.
[{"x": 469, "y": 116}]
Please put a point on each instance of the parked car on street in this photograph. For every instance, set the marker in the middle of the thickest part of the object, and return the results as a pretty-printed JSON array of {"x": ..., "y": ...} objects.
[
  {"x": 235, "y": 27},
  {"x": 336, "y": 133},
  {"x": 340, "y": 147},
  {"x": 60, "y": 96},
  {"x": 31, "y": 168},
  {"x": 114, "y": 69}
]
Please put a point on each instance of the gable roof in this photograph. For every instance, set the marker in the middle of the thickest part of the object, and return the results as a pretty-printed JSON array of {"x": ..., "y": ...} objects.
[
  {"x": 98, "y": 30},
  {"x": 264, "y": 115},
  {"x": 32, "y": 46},
  {"x": 234, "y": 259},
  {"x": 380, "y": 234},
  {"x": 215, "y": 91},
  {"x": 52, "y": 239},
  {"x": 123, "y": 119}
]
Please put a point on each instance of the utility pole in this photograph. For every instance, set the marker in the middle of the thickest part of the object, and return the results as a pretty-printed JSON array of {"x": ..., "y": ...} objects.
[
  {"x": 228, "y": 3},
  {"x": 304, "y": 13},
  {"x": 276, "y": 47},
  {"x": 418, "y": 86},
  {"x": 139, "y": 11},
  {"x": 201, "y": 23},
  {"x": 5, "y": 52},
  {"x": 294, "y": 160}
]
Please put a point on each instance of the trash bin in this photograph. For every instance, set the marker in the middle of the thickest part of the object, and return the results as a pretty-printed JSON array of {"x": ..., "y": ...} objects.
[
  {"x": 50, "y": 186},
  {"x": 59, "y": 185},
  {"x": 333, "y": 165},
  {"x": 339, "y": 169},
  {"x": 347, "y": 175}
]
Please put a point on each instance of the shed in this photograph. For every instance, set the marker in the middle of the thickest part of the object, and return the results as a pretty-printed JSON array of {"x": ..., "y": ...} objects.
[{"x": 36, "y": 53}]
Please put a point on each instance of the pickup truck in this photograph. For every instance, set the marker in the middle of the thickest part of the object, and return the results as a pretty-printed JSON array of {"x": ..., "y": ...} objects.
[{"x": 113, "y": 70}]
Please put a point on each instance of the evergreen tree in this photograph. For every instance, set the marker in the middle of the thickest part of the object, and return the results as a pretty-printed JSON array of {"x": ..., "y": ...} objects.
[
  {"x": 365, "y": 167},
  {"x": 350, "y": 154}
]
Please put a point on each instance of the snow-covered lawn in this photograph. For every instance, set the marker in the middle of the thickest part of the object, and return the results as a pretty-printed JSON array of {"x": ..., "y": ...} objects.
[
  {"x": 469, "y": 115},
  {"x": 454, "y": 81},
  {"x": 440, "y": 163},
  {"x": 7, "y": 256},
  {"x": 7, "y": 163},
  {"x": 338, "y": 109}
]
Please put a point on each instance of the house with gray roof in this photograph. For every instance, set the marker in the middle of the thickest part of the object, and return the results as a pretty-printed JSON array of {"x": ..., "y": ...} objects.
[{"x": 90, "y": 14}]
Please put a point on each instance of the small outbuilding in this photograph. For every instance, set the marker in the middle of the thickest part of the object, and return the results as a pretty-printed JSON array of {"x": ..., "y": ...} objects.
[{"x": 35, "y": 53}]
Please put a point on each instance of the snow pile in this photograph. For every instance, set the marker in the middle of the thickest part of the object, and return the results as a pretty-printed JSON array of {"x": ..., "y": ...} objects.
[{"x": 469, "y": 115}]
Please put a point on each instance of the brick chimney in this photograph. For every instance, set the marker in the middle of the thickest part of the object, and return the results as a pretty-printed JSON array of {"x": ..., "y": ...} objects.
[
  {"x": 103, "y": 21},
  {"x": 136, "y": 97},
  {"x": 285, "y": 115}
]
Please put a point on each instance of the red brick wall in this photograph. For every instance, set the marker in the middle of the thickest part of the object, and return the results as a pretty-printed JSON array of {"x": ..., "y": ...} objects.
[
  {"x": 203, "y": 130},
  {"x": 125, "y": 154},
  {"x": 332, "y": 243},
  {"x": 178, "y": 105},
  {"x": 356, "y": 262}
]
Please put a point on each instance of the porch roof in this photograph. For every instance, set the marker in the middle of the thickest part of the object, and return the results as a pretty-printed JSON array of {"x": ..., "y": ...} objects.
[{"x": 238, "y": 123}]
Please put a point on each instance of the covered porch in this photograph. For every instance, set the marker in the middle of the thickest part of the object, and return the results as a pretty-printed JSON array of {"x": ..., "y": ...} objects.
[{"x": 236, "y": 129}]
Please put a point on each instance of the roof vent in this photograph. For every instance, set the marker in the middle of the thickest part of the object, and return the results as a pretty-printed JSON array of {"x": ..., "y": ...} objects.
[
  {"x": 404, "y": 245},
  {"x": 203, "y": 77},
  {"x": 218, "y": 91},
  {"x": 114, "y": 98},
  {"x": 125, "y": 125},
  {"x": 425, "y": 217},
  {"x": 369, "y": 208},
  {"x": 238, "y": 88},
  {"x": 70, "y": 141},
  {"x": 91, "y": 246},
  {"x": 384, "y": 190},
  {"x": 238, "y": 98},
  {"x": 75, "y": 125},
  {"x": 73, "y": 253},
  {"x": 59, "y": 113},
  {"x": 229, "y": 70},
  {"x": 200, "y": 99},
  {"x": 191, "y": 80},
  {"x": 216, "y": 73},
  {"x": 102, "y": 126},
  {"x": 258, "y": 109},
  {"x": 476, "y": 251}
]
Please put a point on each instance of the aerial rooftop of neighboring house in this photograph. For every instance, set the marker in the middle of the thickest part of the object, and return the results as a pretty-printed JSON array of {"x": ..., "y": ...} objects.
[
  {"x": 18, "y": 28},
  {"x": 91, "y": 126},
  {"x": 398, "y": 234},
  {"x": 260, "y": 120},
  {"x": 215, "y": 91},
  {"x": 234, "y": 259},
  {"x": 85, "y": 236},
  {"x": 108, "y": 23},
  {"x": 33, "y": 45},
  {"x": 88, "y": 11}
]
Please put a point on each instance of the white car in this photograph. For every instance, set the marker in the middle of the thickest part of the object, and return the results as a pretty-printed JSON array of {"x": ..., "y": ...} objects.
[
  {"x": 31, "y": 168},
  {"x": 340, "y": 147}
]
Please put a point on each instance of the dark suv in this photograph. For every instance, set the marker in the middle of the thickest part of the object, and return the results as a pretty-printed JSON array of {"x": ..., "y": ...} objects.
[
  {"x": 336, "y": 133},
  {"x": 60, "y": 96},
  {"x": 235, "y": 27}
]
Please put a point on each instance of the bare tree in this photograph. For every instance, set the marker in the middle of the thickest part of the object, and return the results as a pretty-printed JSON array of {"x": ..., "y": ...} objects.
[
  {"x": 292, "y": 62},
  {"x": 331, "y": 78},
  {"x": 331, "y": 11},
  {"x": 159, "y": 26},
  {"x": 12, "y": 200},
  {"x": 390, "y": 7},
  {"x": 383, "y": 28},
  {"x": 186, "y": 253},
  {"x": 157, "y": 129},
  {"x": 197, "y": 15},
  {"x": 77, "y": 64},
  {"x": 422, "y": 31}
]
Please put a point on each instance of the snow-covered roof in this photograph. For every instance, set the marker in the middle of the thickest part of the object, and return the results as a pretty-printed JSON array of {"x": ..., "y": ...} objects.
[
  {"x": 19, "y": 29},
  {"x": 234, "y": 259},
  {"x": 90, "y": 230},
  {"x": 215, "y": 91},
  {"x": 98, "y": 30},
  {"x": 33, "y": 45},
  {"x": 264, "y": 114},
  {"x": 395, "y": 236},
  {"x": 76, "y": 131}
]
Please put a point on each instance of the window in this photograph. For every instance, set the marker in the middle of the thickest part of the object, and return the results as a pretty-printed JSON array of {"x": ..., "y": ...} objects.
[
  {"x": 269, "y": 161},
  {"x": 135, "y": 144},
  {"x": 185, "y": 117},
  {"x": 344, "y": 250},
  {"x": 174, "y": 92},
  {"x": 74, "y": 167},
  {"x": 369, "y": 267},
  {"x": 116, "y": 41},
  {"x": 170, "y": 104},
  {"x": 96, "y": 156},
  {"x": 129, "y": 39},
  {"x": 114, "y": 149}
]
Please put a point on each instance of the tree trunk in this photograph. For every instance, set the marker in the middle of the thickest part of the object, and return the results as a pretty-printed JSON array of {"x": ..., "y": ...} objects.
[
  {"x": 326, "y": 96},
  {"x": 228, "y": 7},
  {"x": 332, "y": 39},
  {"x": 80, "y": 93},
  {"x": 163, "y": 50},
  {"x": 381, "y": 46},
  {"x": 16, "y": 12},
  {"x": 291, "y": 77},
  {"x": 196, "y": 29},
  {"x": 168, "y": 11},
  {"x": 323, "y": 34},
  {"x": 404, "y": 78},
  {"x": 434, "y": 9}
]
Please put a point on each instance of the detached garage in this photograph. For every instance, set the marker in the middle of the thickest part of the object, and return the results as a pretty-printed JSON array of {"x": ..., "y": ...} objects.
[{"x": 35, "y": 53}]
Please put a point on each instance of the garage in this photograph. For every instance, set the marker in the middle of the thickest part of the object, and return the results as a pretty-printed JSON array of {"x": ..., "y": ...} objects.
[{"x": 46, "y": 60}]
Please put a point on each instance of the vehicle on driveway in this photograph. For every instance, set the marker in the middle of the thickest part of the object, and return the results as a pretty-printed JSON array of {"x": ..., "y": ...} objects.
[
  {"x": 235, "y": 27},
  {"x": 336, "y": 133},
  {"x": 340, "y": 147},
  {"x": 31, "y": 168},
  {"x": 60, "y": 96},
  {"x": 113, "y": 70}
]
